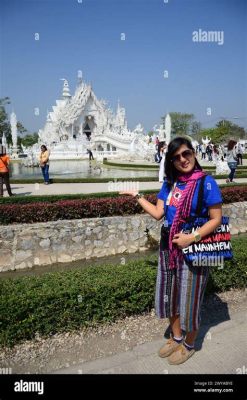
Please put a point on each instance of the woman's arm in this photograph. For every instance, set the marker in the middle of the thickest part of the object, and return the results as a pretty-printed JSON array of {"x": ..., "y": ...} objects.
[
  {"x": 215, "y": 215},
  {"x": 156, "y": 212}
]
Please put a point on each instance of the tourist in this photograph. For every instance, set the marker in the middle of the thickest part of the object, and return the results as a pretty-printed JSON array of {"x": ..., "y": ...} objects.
[
  {"x": 209, "y": 151},
  {"x": 203, "y": 150},
  {"x": 157, "y": 143},
  {"x": 44, "y": 163},
  {"x": 4, "y": 171},
  {"x": 231, "y": 158},
  {"x": 220, "y": 164},
  {"x": 239, "y": 151},
  {"x": 176, "y": 297},
  {"x": 162, "y": 153},
  {"x": 90, "y": 155}
]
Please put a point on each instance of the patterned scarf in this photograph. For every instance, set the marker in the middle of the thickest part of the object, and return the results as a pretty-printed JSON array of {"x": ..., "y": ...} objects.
[{"x": 182, "y": 212}]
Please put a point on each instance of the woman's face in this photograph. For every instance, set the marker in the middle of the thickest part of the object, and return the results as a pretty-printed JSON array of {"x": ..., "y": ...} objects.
[{"x": 184, "y": 159}]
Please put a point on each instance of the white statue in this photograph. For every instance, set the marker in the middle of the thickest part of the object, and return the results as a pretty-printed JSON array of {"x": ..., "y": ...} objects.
[
  {"x": 138, "y": 129},
  {"x": 168, "y": 125},
  {"x": 4, "y": 141},
  {"x": 13, "y": 123},
  {"x": 206, "y": 141}
]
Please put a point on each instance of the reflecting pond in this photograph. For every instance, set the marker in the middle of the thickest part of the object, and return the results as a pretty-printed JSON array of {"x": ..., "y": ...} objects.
[{"x": 78, "y": 169}]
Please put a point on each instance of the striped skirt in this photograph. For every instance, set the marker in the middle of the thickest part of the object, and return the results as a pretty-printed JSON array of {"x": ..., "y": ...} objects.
[{"x": 180, "y": 291}]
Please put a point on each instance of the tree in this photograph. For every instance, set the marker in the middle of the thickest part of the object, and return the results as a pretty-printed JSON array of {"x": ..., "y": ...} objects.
[
  {"x": 180, "y": 123},
  {"x": 195, "y": 127},
  {"x": 30, "y": 140},
  {"x": 20, "y": 128},
  {"x": 5, "y": 127},
  {"x": 233, "y": 130},
  {"x": 218, "y": 135}
]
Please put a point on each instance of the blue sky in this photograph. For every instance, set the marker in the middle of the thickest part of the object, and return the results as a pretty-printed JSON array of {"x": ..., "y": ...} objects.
[{"x": 86, "y": 35}]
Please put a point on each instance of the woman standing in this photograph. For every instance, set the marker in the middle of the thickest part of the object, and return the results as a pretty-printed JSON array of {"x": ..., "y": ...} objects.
[
  {"x": 231, "y": 158},
  {"x": 4, "y": 171},
  {"x": 44, "y": 163},
  {"x": 180, "y": 287}
]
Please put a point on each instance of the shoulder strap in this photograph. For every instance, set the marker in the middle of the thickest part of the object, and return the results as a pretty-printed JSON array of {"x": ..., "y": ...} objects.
[{"x": 200, "y": 196}]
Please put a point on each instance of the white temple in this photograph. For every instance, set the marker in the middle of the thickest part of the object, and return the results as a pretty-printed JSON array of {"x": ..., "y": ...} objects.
[{"x": 82, "y": 122}]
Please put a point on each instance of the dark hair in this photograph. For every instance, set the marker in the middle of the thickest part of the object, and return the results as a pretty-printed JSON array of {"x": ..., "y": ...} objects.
[
  {"x": 231, "y": 144},
  {"x": 43, "y": 147},
  {"x": 170, "y": 171},
  {"x": 216, "y": 149},
  {"x": 160, "y": 145}
]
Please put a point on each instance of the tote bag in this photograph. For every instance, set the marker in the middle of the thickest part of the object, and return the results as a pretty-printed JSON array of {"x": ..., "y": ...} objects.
[{"x": 212, "y": 249}]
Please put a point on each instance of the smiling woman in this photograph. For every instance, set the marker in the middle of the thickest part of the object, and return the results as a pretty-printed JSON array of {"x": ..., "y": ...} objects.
[{"x": 180, "y": 286}]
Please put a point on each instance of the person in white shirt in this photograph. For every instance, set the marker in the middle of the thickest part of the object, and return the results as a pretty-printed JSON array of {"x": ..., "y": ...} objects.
[{"x": 239, "y": 151}]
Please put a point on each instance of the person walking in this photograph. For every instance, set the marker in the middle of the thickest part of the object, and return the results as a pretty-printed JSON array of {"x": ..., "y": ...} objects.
[
  {"x": 44, "y": 163},
  {"x": 180, "y": 286},
  {"x": 4, "y": 171},
  {"x": 231, "y": 158}
]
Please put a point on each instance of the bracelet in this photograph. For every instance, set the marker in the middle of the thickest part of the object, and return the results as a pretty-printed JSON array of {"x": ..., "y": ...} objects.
[
  {"x": 197, "y": 236},
  {"x": 139, "y": 196}
]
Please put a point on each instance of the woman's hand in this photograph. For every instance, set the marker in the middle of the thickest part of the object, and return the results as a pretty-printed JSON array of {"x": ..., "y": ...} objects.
[
  {"x": 129, "y": 192},
  {"x": 183, "y": 239}
]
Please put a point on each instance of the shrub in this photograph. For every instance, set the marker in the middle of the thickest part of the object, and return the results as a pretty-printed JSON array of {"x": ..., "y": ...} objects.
[
  {"x": 69, "y": 209},
  {"x": 234, "y": 194},
  {"x": 64, "y": 301},
  {"x": 234, "y": 273},
  {"x": 90, "y": 207}
]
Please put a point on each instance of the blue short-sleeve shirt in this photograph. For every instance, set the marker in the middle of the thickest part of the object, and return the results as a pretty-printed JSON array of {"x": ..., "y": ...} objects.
[{"x": 211, "y": 196}]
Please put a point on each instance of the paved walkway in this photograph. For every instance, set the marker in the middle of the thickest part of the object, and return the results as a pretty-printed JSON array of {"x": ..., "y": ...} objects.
[
  {"x": 36, "y": 189},
  {"x": 223, "y": 350}
]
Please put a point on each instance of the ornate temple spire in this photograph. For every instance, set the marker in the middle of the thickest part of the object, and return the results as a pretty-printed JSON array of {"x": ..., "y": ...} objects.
[
  {"x": 79, "y": 78},
  {"x": 48, "y": 116},
  {"x": 66, "y": 92}
]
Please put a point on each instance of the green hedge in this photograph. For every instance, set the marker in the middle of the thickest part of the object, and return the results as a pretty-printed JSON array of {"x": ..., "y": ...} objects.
[
  {"x": 66, "y": 301},
  {"x": 51, "y": 303},
  {"x": 32, "y": 212}
]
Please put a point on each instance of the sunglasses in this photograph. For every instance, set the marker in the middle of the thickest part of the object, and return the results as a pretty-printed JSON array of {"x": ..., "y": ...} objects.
[{"x": 185, "y": 154}]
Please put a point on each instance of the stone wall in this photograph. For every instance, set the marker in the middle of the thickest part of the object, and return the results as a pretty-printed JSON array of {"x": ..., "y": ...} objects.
[{"x": 27, "y": 245}]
